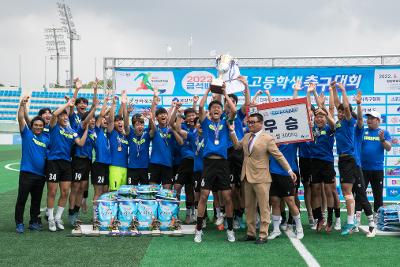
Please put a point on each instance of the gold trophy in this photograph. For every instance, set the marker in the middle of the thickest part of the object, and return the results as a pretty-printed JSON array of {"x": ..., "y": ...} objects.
[
  {"x": 155, "y": 227},
  {"x": 228, "y": 72},
  {"x": 114, "y": 227},
  {"x": 176, "y": 227},
  {"x": 133, "y": 227},
  {"x": 77, "y": 231}
]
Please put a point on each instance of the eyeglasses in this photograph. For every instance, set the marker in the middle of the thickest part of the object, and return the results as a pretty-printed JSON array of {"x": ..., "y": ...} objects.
[{"x": 252, "y": 122}]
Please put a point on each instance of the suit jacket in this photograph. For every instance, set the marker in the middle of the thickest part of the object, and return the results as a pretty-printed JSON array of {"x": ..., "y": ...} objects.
[{"x": 256, "y": 164}]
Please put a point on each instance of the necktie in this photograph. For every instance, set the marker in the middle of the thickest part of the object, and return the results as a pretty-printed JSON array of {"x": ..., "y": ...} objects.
[{"x": 251, "y": 139}]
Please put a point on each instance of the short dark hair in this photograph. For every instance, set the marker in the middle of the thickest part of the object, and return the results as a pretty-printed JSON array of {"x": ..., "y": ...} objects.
[
  {"x": 37, "y": 118},
  {"x": 214, "y": 102},
  {"x": 63, "y": 112},
  {"x": 189, "y": 110},
  {"x": 118, "y": 118},
  {"x": 258, "y": 116},
  {"x": 44, "y": 110},
  {"x": 81, "y": 99},
  {"x": 341, "y": 107},
  {"x": 161, "y": 111},
  {"x": 234, "y": 97},
  {"x": 137, "y": 118}
]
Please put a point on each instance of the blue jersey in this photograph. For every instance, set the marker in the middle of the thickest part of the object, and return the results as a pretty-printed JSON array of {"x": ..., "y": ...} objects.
[
  {"x": 322, "y": 147},
  {"x": 216, "y": 135},
  {"x": 198, "y": 142},
  {"x": 372, "y": 150},
  {"x": 358, "y": 135},
  {"x": 46, "y": 131},
  {"x": 345, "y": 136},
  {"x": 61, "y": 142},
  {"x": 187, "y": 149},
  {"x": 75, "y": 120},
  {"x": 290, "y": 153},
  {"x": 86, "y": 151},
  {"x": 305, "y": 150},
  {"x": 138, "y": 149},
  {"x": 34, "y": 148},
  {"x": 102, "y": 146},
  {"x": 119, "y": 149},
  {"x": 163, "y": 144}
]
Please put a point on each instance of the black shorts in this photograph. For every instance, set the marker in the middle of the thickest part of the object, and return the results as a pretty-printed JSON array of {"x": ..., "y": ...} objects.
[
  {"x": 197, "y": 181},
  {"x": 138, "y": 176},
  {"x": 281, "y": 186},
  {"x": 305, "y": 166},
  {"x": 235, "y": 159},
  {"x": 58, "y": 171},
  {"x": 100, "y": 174},
  {"x": 322, "y": 172},
  {"x": 215, "y": 175},
  {"x": 80, "y": 169},
  {"x": 185, "y": 172},
  {"x": 347, "y": 169},
  {"x": 160, "y": 174}
]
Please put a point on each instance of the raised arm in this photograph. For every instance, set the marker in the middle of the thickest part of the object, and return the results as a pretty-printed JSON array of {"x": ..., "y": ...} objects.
[
  {"x": 21, "y": 113},
  {"x": 195, "y": 100},
  {"x": 246, "y": 92},
  {"x": 360, "y": 121},
  {"x": 152, "y": 118},
  {"x": 78, "y": 86},
  {"x": 336, "y": 99},
  {"x": 124, "y": 101},
  {"x": 81, "y": 141},
  {"x": 310, "y": 89},
  {"x": 102, "y": 112},
  {"x": 232, "y": 107},
  {"x": 69, "y": 104},
  {"x": 111, "y": 119},
  {"x": 92, "y": 111},
  {"x": 386, "y": 144},
  {"x": 178, "y": 137},
  {"x": 202, "y": 112},
  {"x": 296, "y": 89},
  {"x": 26, "y": 115},
  {"x": 176, "y": 122},
  {"x": 331, "y": 101},
  {"x": 346, "y": 106},
  {"x": 254, "y": 99},
  {"x": 268, "y": 93}
]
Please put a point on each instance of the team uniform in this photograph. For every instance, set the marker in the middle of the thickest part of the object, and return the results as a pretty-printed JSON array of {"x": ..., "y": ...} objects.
[
  {"x": 82, "y": 160},
  {"x": 215, "y": 171},
  {"x": 282, "y": 184},
  {"x": 161, "y": 161},
  {"x": 32, "y": 175},
  {"x": 100, "y": 167},
  {"x": 138, "y": 161},
  {"x": 372, "y": 157},
  {"x": 75, "y": 120},
  {"x": 59, "y": 154},
  {"x": 119, "y": 159},
  {"x": 321, "y": 152}
]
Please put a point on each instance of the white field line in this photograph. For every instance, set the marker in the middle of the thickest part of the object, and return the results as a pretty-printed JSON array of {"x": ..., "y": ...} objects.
[
  {"x": 304, "y": 253},
  {"x": 8, "y": 167}
]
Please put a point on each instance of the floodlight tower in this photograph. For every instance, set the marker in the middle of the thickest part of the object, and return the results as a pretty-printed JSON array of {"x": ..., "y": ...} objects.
[
  {"x": 55, "y": 44},
  {"x": 69, "y": 26}
]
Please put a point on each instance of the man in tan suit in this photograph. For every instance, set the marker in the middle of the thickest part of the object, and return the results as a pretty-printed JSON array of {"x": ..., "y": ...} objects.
[{"x": 257, "y": 146}]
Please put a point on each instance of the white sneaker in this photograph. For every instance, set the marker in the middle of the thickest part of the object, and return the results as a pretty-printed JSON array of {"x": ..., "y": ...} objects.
[
  {"x": 198, "y": 236},
  {"x": 236, "y": 224},
  {"x": 220, "y": 220},
  {"x": 274, "y": 234},
  {"x": 59, "y": 224},
  {"x": 299, "y": 233},
  {"x": 52, "y": 225},
  {"x": 338, "y": 225},
  {"x": 314, "y": 225},
  {"x": 231, "y": 235},
  {"x": 371, "y": 233}
]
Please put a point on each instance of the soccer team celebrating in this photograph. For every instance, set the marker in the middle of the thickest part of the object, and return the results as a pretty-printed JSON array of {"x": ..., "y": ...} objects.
[{"x": 196, "y": 149}]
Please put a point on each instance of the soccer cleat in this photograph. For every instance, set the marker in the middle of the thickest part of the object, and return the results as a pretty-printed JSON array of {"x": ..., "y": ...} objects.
[
  {"x": 371, "y": 232},
  {"x": 338, "y": 224},
  {"x": 230, "y": 235},
  {"x": 314, "y": 225},
  {"x": 299, "y": 233},
  {"x": 348, "y": 229},
  {"x": 198, "y": 236},
  {"x": 320, "y": 225},
  {"x": 52, "y": 225},
  {"x": 328, "y": 227},
  {"x": 236, "y": 224},
  {"x": 274, "y": 234},
  {"x": 20, "y": 228},
  {"x": 59, "y": 224},
  {"x": 35, "y": 227}
]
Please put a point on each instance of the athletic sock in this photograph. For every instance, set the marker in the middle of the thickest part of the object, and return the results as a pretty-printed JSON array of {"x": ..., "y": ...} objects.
[
  {"x": 59, "y": 213},
  {"x": 276, "y": 221},
  {"x": 297, "y": 221},
  {"x": 337, "y": 212},
  {"x": 76, "y": 209},
  {"x": 318, "y": 213},
  {"x": 350, "y": 219},
  {"x": 330, "y": 215},
  {"x": 70, "y": 211},
  {"x": 199, "y": 224},
  {"x": 50, "y": 213},
  {"x": 229, "y": 220}
]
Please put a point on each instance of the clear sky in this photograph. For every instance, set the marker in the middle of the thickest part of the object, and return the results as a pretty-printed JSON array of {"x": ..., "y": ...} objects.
[{"x": 144, "y": 29}]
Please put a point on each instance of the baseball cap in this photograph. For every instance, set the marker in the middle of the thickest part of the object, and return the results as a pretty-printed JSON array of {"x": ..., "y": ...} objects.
[{"x": 374, "y": 114}]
